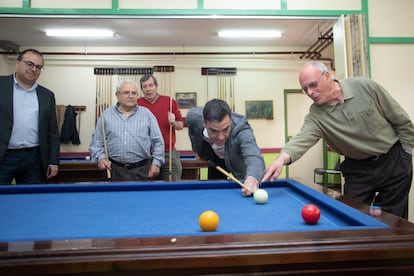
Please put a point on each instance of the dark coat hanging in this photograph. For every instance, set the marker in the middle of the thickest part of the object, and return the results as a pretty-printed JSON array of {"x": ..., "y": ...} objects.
[{"x": 69, "y": 133}]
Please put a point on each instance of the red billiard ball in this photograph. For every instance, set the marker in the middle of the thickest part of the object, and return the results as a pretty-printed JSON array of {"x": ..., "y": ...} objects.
[{"x": 311, "y": 214}]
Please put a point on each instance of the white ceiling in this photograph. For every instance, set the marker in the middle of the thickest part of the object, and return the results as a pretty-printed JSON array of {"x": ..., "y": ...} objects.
[{"x": 163, "y": 32}]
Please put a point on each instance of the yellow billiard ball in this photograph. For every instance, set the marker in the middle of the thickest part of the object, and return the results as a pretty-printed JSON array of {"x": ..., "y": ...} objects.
[{"x": 208, "y": 221}]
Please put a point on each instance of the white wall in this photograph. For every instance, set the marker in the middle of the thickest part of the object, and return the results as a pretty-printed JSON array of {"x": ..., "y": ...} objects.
[
  {"x": 73, "y": 82},
  {"x": 6, "y": 66},
  {"x": 391, "y": 69},
  {"x": 391, "y": 64}
]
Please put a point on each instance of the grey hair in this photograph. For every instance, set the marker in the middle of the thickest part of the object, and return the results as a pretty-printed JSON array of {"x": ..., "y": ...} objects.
[
  {"x": 120, "y": 83},
  {"x": 319, "y": 65}
]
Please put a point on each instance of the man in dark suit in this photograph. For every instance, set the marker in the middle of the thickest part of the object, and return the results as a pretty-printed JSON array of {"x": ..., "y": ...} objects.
[{"x": 29, "y": 136}]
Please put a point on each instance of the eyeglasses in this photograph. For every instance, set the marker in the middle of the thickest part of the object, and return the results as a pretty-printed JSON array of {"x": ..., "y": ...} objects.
[
  {"x": 313, "y": 84},
  {"x": 32, "y": 65},
  {"x": 127, "y": 93}
]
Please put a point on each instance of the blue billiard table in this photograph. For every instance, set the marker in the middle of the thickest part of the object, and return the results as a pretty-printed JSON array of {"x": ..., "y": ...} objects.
[{"x": 153, "y": 227}]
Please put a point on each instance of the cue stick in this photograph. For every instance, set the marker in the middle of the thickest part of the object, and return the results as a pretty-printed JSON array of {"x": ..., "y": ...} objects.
[
  {"x": 98, "y": 87},
  {"x": 218, "y": 87},
  {"x": 232, "y": 92},
  {"x": 207, "y": 84},
  {"x": 229, "y": 175},
  {"x": 170, "y": 143},
  {"x": 79, "y": 119},
  {"x": 108, "y": 171},
  {"x": 221, "y": 87},
  {"x": 224, "y": 87}
]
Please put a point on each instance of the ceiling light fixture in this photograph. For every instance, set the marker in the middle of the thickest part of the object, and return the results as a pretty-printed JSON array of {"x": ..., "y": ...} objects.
[
  {"x": 250, "y": 34},
  {"x": 80, "y": 33}
]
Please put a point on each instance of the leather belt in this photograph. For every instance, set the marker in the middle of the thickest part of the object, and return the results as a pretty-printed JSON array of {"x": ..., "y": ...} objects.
[
  {"x": 374, "y": 158},
  {"x": 130, "y": 165},
  {"x": 23, "y": 149},
  {"x": 377, "y": 157},
  {"x": 369, "y": 159}
]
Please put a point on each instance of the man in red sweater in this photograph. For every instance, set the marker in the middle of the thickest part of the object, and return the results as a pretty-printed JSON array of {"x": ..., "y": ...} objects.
[{"x": 169, "y": 118}]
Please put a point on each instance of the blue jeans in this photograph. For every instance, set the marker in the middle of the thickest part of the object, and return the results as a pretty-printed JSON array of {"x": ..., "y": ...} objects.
[{"x": 23, "y": 165}]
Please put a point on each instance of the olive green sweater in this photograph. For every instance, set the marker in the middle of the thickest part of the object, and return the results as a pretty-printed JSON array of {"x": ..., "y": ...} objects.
[{"x": 367, "y": 124}]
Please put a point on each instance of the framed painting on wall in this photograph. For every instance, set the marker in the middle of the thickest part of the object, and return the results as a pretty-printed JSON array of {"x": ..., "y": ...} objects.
[
  {"x": 186, "y": 100},
  {"x": 259, "y": 109}
]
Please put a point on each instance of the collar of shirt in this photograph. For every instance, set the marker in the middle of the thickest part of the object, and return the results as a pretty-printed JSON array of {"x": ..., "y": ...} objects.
[
  {"x": 18, "y": 86},
  {"x": 154, "y": 101},
  {"x": 205, "y": 136},
  {"x": 347, "y": 93},
  {"x": 25, "y": 117},
  {"x": 218, "y": 150},
  {"x": 120, "y": 112}
]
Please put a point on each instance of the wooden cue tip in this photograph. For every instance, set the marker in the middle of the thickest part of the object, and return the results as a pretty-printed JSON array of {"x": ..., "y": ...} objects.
[{"x": 233, "y": 178}]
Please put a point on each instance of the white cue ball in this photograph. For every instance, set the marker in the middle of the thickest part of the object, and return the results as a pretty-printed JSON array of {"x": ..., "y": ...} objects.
[
  {"x": 260, "y": 196},
  {"x": 87, "y": 158}
]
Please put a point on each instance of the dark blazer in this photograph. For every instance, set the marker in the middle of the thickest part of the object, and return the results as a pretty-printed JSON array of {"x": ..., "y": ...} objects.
[
  {"x": 242, "y": 155},
  {"x": 48, "y": 127}
]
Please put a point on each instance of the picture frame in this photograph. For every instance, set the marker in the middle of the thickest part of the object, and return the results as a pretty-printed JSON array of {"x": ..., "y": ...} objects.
[
  {"x": 262, "y": 109},
  {"x": 186, "y": 100}
]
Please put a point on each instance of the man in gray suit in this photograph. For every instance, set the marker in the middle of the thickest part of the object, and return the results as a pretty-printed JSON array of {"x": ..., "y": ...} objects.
[
  {"x": 29, "y": 136},
  {"x": 225, "y": 139}
]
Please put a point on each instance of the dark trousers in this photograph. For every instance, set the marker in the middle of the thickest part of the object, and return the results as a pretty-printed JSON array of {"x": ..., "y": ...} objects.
[
  {"x": 119, "y": 173},
  {"x": 176, "y": 170},
  {"x": 383, "y": 181},
  {"x": 23, "y": 165}
]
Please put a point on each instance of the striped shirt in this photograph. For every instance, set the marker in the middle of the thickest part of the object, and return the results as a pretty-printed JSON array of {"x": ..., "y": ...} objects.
[{"x": 130, "y": 139}]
